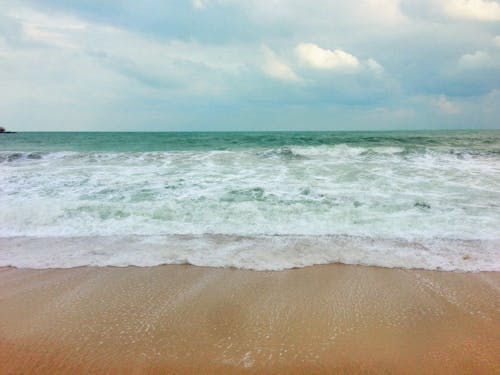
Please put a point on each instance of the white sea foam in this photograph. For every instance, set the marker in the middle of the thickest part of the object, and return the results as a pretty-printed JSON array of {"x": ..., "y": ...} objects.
[
  {"x": 248, "y": 252},
  {"x": 252, "y": 208}
]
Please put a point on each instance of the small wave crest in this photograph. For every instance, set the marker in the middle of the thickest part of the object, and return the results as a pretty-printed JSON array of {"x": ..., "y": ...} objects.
[
  {"x": 282, "y": 153},
  {"x": 339, "y": 152}
]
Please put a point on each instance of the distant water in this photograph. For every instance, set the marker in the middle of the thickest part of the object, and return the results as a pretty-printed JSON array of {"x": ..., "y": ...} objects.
[{"x": 251, "y": 200}]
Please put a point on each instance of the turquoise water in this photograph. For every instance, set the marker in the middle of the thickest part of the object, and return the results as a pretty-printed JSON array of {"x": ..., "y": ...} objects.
[
  {"x": 468, "y": 141},
  {"x": 251, "y": 200}
]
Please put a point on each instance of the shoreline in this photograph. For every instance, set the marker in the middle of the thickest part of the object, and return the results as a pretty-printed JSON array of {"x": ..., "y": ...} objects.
[
  {"x": 249, "y": 252},
  {"x": 234, "y": 268},
  {"x": 189, "y": 319}
]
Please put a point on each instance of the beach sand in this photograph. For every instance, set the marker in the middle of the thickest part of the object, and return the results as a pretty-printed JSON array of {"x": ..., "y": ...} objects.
[{"x": 187, "y": 319}]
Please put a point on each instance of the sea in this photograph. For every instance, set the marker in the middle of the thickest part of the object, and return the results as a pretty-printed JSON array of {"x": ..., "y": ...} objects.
[{"x": 251, "y": 200}]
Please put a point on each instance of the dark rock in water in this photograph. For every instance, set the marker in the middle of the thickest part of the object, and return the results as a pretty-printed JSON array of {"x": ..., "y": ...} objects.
[
  {"x": 34, "y": 155},
  {"x": 3, "y": 131},
  {"x": 284, "y": 153},
  {"x": 422, "y": 204},
  {"x": 305, "y": 191},
  {"x": 14, "y": 156}
]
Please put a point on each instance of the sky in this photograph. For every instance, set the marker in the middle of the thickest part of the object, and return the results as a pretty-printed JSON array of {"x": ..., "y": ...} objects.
[{"x": 227, "y": 65}]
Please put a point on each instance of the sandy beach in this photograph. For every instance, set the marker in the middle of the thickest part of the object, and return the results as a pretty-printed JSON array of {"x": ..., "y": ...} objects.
[{"x": 187, "y": 319}]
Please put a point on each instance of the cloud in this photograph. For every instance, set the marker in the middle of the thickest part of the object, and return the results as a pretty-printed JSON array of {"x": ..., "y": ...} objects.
[
  {"x": 384, "y": 12},
  {"x": 375, "y": 67},
  {"x": 99, "y": 70},
  {"x": 476, "y": 60},
  {"x": 200, "y": 4},
  {"x": 479, "y": 10},
  {"x": 313, "y": 56},
  {"x": 446, "y": 106},
  {"x": 53, "y": 31},
  {"x": 275, "y": 68},
  {"x": 190, "y": 62},
  {"x": 320, "y": 58}
]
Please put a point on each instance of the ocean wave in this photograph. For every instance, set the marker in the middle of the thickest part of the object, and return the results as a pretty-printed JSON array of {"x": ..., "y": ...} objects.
[
  {"x": 398, "y": 195},
  {"x": 285, "y": 153},
  {"x": 261, "y": 253}
]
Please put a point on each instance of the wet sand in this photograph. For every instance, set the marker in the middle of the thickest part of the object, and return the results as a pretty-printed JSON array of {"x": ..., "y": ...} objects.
[{"x": 186, "y": 319}]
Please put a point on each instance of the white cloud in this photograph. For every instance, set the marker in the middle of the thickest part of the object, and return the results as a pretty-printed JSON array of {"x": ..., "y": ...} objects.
[
  {"x": 54, "y": 31},
  {"x": 496, "y": 40},
  {"x": 86, "y": 55},
  {"x": 55, "y": 39},
  {"x": 476, "y": 60},
  {"x": 320, "y": 58},
  {"x": 447, "y": 106},
  {"x": 200, "y": 4},
  {"x": 275, "y": 68},
  {"x": 375, "y": 67},
  {"x": 480, "y": 10},
  {"x": 384, "y": 12},
  {"x": 147, "y": 54}
]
